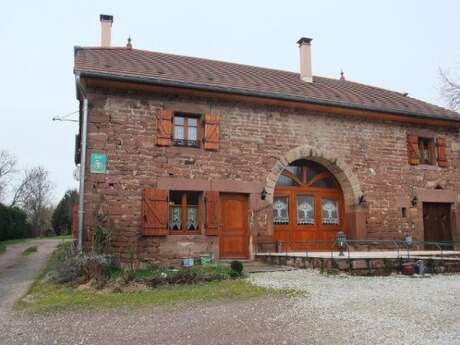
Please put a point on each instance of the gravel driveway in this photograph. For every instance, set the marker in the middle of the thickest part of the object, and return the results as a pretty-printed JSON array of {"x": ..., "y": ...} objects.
[
  {"x": 334, "y": 310},
  {"x": 17, "y": 271},
  {"x": 373, "y": 310}
]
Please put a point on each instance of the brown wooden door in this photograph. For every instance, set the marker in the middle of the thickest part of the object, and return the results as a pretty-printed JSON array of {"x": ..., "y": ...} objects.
[
  {"x": 233, "y": 234},
  {"x": 436, "y": 223},
  {"x": 308, "y": 208}
]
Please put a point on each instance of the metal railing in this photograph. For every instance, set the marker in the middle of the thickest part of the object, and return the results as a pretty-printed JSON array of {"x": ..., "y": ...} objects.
[{"x": 349, "y": 246}]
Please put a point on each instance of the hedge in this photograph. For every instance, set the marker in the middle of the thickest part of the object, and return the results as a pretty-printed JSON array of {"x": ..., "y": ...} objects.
[{"x": 13, "y": 223}]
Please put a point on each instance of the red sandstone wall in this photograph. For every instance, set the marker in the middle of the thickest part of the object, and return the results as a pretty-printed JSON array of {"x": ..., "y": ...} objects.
[{"x": 252, "y": 140}]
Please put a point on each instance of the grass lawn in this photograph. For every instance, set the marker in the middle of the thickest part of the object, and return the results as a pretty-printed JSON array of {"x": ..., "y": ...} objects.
[
  {"x": 59, "y": 237},
  {"x": 29, "y": 250},
  {"x": 4, "y": 244},
  {"x": 45, "y": 296}
]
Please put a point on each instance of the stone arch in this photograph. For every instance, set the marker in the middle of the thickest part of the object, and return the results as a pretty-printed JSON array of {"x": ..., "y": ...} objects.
[{"x": 342, "y": 172}]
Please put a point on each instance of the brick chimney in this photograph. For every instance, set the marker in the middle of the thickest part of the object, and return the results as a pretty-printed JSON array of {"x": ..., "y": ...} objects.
[
  {"x": 305, "y": 59},
  {"x": 106, "y": 30}
]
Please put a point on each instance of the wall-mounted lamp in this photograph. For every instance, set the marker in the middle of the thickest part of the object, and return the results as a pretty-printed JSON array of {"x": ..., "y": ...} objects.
[
  {"x": 263, "y": 194},
  {"x": 414, "y": 201},
  {"x": 362, "y": 201}
]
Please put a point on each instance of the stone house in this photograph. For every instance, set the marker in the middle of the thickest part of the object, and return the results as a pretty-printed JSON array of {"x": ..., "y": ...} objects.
[{"x": 188, "y": 156}]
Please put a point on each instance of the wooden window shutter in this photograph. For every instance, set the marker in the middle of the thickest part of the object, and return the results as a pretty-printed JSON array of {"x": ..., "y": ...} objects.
[
  {"x": 212, "y": 213},
  {"x": 211, "y": 132},
  {"x": 164, "y": 128},
  {"x": 441, "y": 147},
  {"x": 156, "y": 212},
  {"x": 413, "y": 150}
]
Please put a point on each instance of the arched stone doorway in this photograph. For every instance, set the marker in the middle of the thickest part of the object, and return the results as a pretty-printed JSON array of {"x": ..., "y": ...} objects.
[
  {"x": 341, "y": 171},
  {"x": 308, "y": 207},
  {"x": 354, "y": 214}
]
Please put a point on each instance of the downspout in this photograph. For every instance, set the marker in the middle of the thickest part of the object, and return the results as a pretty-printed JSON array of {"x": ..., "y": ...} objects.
[{"x": 84, "y": 127}]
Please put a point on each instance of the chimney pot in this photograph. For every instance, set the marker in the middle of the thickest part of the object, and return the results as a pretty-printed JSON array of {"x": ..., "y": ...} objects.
[
  {"x": 304, "y": 40},
  {"x": 305, "y": 59},
  {"x": 106, "y": 30}
]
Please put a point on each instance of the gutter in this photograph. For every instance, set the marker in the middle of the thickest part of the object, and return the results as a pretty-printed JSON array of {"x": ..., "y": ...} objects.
[
  {"x": 84, "y": 131},
  {"x": 263, "y": 94}
]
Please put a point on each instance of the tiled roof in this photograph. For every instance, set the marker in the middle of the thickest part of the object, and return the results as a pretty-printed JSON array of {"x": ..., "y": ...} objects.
[{"x": 176, "y": 70}]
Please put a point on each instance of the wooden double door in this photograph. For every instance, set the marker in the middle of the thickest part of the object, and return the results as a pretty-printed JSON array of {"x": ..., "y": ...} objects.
[
  {"x": 436, "y": 224},
  {"x": 307, "y": 208},
  {"x": 233, "y": 227}
]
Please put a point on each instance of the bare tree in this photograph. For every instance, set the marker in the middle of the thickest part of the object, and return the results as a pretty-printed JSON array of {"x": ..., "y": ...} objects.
[
  {"x": 7, "y": 168},
  {"x": 33, "y": 196},
  {"x": 451, "y": 90}
]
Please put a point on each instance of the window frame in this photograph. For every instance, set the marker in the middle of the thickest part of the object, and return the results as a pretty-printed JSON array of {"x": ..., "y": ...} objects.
[
  {"x": 337, "y": 200},
  {"x": 185, "y": 142},
  {"x": 184, "y": 205},
  {"x": 431, "y": 148},
  {"x": 315, "y": 206},
  {"x": 289, "y": 216}
]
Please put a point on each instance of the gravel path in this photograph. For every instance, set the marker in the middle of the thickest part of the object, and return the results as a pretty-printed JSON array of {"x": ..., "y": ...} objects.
[
  {"x": 373, "y": 310},
  {"x": 17, "y": 271},
  {"x": 334, "y": 310}
]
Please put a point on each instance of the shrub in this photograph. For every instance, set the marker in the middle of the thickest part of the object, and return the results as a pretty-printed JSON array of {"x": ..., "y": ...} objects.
[
  {"x": 188, "y": 275},
  {"x": 101, "y": 239},
  {"x": 237, "y": 268},
  {"x": 13, "y": 223},
  {"x": 62, "y": 214},
  {"x": 66, "y": 264},
  {"x": 71, "y": 267}
]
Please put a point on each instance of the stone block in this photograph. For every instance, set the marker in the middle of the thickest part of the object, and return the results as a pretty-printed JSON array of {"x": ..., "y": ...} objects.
[
  {"x": 308, "y": 263},
  {"x": 359, "y": 264},
  {"x": 290, "y": 261},
  {"x": 299, "y": 263},
  {"x": 342, "y": 264},
  {"x": 376, "y": 264}
]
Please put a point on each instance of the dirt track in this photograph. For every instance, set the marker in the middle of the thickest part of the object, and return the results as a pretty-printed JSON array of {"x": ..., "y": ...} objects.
[{"x": 17, "y": 272}]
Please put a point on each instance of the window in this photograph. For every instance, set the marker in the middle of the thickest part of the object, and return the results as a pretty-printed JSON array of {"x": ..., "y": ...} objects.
[
  {"x": 281, "y": 210},
  {"x": 306, "y": 174},
  {"x": 285, "y": 181},
  {"x": 184, "y": 214},
  {"x": 330, "y": 210},
  {"x": 185, "y": 132},
  {"x": 305, "y": 209},
  {"x": 426, "y": 151}
]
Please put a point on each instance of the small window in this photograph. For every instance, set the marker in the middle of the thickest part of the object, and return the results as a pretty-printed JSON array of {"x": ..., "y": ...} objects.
[
  {"x": 298, "y": 171},
  {"x": 184, "y": 212},
  {"x": 404, "y": 212},
  {"x": 330, "y": 210},
  {"x": 280, "y": 210},
  {"x": 426, "y": 151},
  {"x": 325, "y": 183},
  {"x": 305, "y": 209},
  {"x": 285, "y": 181},
  {"x": 186, "y": 128}
]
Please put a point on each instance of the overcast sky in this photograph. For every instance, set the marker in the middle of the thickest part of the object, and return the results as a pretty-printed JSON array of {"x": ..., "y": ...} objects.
[{"x": 399, "y": 45}]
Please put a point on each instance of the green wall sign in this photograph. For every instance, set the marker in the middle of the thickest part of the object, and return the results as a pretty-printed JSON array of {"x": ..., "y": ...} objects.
[{"x": 98, "y": 163}]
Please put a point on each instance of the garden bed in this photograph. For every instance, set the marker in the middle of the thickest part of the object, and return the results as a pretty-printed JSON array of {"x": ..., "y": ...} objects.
[{"x": 72, "y": 281}]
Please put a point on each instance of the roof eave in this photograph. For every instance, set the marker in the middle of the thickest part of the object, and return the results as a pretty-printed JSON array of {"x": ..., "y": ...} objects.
[{"x": 237, "y": 91}]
